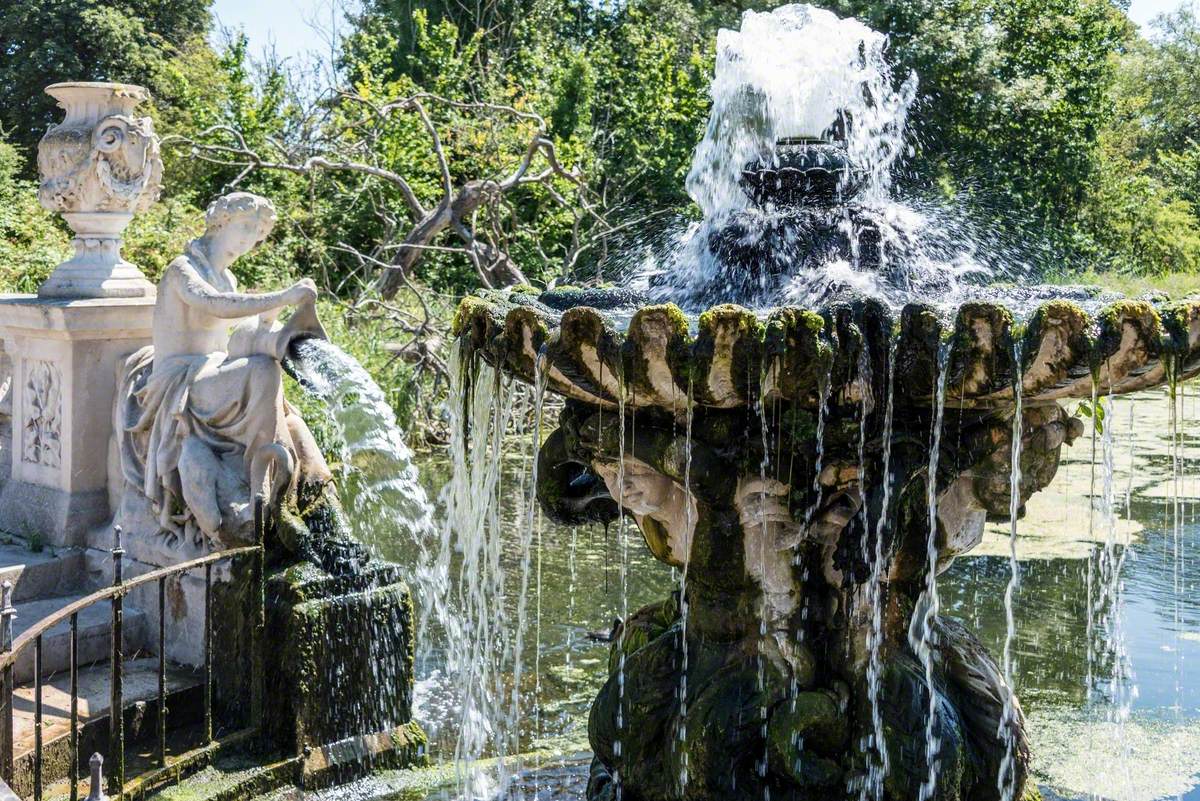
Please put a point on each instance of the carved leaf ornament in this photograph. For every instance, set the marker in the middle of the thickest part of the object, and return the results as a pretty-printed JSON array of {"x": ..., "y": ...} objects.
[{"x": 43, "y": 413}]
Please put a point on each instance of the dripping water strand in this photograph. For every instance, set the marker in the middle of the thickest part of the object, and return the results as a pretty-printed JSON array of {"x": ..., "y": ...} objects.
[
  {"x": 1110, "y": 606},
  {"x": 823, "y": 392},
  {"x": 624, "y": 578},
  {"x": 864, "y": 409},
  {"x": 765, "y": 611},
  {"x": 921, "y": 633},
  {"x": 1175, "y": 388},
  {"x": 1090, "y": 634},
  {"x": 824, "y": 388},
  {"x": 1006, "y": 781},
  {"x": 879, "y": 764},
  {"x": 681, "y": 734},
  {"x": 531, "y": 521}
]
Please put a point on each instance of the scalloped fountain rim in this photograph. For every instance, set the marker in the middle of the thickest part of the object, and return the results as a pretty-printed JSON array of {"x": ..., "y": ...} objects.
[{"x": 735, "y": 357}]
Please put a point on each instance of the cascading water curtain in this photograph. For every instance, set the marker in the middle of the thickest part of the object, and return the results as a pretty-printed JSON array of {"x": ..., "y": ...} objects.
[
  {"x": 481, "y": 641},
  {"x": 530, "y": 532}
]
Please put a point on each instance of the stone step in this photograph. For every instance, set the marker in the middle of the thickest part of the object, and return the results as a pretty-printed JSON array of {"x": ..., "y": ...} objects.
[
  {"x": 41, "y": 574},
  {"x": 95, "y": 641},
  {"x": 140, "y": 696}
]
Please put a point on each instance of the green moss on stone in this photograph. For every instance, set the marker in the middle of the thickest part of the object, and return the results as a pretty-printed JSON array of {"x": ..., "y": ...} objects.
[
  {"x": 731, "y": 317},
  {"x": 678, "y": 349},
  {"x": 516, "y": 323},
  {"x": 1176, "y": 323},
  {"x": 796, "y": 342},
  {"x": 968, "y": 353},
  {"x": 468, "y": 309}
]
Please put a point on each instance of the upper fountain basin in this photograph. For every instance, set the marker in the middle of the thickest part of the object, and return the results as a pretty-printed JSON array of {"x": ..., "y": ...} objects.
[{"x": 732, "y": 357}]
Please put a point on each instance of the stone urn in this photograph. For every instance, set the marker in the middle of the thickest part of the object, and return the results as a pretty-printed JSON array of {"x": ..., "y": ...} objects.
[{"x": 98, "y": 167}]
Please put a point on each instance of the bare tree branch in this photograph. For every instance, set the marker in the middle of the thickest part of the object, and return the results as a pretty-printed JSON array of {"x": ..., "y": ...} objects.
[{"x": 353, "y": 146}]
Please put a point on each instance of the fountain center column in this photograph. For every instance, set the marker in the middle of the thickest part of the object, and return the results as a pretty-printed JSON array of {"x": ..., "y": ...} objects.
[{"x": 98, "y": 167}]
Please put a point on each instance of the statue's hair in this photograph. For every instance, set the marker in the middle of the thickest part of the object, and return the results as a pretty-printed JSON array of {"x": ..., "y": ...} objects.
[{"x": 224, "y": 209}]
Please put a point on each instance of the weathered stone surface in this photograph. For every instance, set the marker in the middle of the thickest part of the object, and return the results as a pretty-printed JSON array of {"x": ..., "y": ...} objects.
[
  {"x": 63, "y": 357},
  {"x": 342, "y": 634},
  {"x": 731, "y": 357}
]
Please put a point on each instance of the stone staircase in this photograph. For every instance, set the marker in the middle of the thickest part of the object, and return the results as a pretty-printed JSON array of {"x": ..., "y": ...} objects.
[
  {"x": 94, "y": 638},
  {"x": 45, "y": 581}
]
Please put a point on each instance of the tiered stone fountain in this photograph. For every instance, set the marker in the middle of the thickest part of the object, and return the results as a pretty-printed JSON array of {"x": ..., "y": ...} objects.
[
  {"x": 809, "y": 472},
  {"x": 777, "y": 508}
]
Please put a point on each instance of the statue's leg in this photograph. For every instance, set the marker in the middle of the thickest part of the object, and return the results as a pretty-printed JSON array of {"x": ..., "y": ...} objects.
[
  {"x": 198, "y": 471},
  {"x": 242, "y": 401},
  {"x": 271, "y": 470}
]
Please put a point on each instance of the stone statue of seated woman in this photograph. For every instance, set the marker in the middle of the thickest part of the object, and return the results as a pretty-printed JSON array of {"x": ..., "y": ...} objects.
[{"x": 202, "y": 420}]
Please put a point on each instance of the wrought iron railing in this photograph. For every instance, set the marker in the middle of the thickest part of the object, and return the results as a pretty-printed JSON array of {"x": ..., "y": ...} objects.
[{"x": 164, "y": 768}]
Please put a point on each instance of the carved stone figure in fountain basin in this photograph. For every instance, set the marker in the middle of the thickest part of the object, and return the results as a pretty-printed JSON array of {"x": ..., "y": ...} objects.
[{"x": 808, "y": 474}]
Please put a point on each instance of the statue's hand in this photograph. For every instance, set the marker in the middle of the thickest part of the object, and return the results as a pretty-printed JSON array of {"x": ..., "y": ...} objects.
[{"x": 302, "y": 292}]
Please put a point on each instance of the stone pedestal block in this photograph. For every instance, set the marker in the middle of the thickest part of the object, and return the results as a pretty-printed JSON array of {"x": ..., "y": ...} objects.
[
  {"x": 64, "y": 357},
  {"x": 341, "y": 657}
]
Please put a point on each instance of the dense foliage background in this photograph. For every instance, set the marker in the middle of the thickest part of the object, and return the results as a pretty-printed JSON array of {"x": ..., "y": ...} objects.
[{"x": 1055, "y": 119}]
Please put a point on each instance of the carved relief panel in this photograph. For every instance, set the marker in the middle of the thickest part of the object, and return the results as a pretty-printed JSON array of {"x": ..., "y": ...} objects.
[{"x": 42, "y": 435}]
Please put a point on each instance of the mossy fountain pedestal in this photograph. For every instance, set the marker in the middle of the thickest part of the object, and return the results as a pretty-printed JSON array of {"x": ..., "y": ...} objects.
[{"x": 806, "y": 471}]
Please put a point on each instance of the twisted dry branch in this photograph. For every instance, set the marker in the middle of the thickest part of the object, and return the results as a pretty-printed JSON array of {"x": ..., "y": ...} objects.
[{"x": 458, "y": 206}]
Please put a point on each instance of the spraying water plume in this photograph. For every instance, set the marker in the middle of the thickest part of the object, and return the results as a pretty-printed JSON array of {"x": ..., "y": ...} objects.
[{"x": 794, "y": 179}]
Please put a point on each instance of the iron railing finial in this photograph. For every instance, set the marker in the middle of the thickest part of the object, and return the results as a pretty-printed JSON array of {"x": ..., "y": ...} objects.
[
  {"x": 7, "y": 614},
  {"x": 118, "y": 554},
  {"x": 97, "y": 791}
]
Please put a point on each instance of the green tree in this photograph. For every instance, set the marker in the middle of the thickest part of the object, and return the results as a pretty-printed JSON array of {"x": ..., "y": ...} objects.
[
  {"x": 1141, "y": 216},
  {"x": 30, "y": 241},
  {"x": 1013, "y": 94},
  {"x": 50, "y": 41}
]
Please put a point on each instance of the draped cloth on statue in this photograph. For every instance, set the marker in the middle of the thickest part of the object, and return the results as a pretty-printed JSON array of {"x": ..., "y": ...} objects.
[{"x": 230, "y": 405}]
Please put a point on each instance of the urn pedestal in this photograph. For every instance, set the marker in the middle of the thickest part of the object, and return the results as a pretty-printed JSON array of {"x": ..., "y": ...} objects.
[
  {"x": 98, "y": 167},
  {"x": 64, "y": 357}
]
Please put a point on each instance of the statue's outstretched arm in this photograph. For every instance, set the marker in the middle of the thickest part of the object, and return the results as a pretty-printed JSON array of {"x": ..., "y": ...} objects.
[{"x": 197, "y": 292}]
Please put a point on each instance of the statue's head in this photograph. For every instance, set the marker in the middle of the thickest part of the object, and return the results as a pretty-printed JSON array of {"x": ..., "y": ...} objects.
[
  {"x": 237, "y": 222},
  {"x": 665, "y": 512}
]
